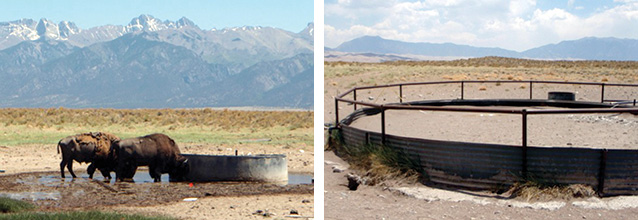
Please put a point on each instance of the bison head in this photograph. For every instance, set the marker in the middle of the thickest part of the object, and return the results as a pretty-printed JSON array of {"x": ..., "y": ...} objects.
[{"x": 179, "y": 171}]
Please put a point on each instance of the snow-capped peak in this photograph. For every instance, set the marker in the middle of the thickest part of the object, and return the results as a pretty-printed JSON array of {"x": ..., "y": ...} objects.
[
  {"x": 150, "y": 24},
  {"x": 47, "y": 30},
  {"x": 309, "y": 31},
  {"x": 67, "y": 29},
  {"x": 145, "y": 23},
  {"x": 184, "y": 22}
]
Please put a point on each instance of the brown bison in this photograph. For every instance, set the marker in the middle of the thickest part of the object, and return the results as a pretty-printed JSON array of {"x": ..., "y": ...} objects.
[
  {"x": 94, "y": 148},
  {"x": 157, "y": 151}
]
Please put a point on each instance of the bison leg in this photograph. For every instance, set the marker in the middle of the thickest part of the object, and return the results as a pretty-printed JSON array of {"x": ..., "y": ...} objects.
[
  {"x": 69, "y": 166},
  {"x": 155, "y": 173},
  {"x": 62, "y": 164},
  {"x": 125, "y": 172},
  {"x": 91, "y": 170},
  {"x": 106, "y": 173}
]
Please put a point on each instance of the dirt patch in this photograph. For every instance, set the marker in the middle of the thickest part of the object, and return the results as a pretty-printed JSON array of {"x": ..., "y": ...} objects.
[
  {"x": 420, "y": 202},
  {"x": 611, "y": 131},
  {"x": 31, "y": 172},
  {"x": 87, "y": 194},
  {"x": 415, "y": 201}
]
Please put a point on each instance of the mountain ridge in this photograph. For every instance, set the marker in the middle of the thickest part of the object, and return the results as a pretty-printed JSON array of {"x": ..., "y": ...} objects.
[
  {"x": 588, "y": 48},
  {"x": 152, "y": 64}
]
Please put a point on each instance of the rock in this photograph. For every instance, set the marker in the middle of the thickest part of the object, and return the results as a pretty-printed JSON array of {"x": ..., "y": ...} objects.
[
  {"x": 305, "y": 201},
  {"x": 263, "y": 213},
  {"x": 371, "y": 98},
  {"x": 353, "y": 181},
  {"x": 337, "y": 169},
  {"x": 327, "y": 162},
  {"x": 294, "y": 212}
]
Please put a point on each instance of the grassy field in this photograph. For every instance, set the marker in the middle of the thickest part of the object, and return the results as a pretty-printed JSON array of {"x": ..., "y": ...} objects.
[
  {"x": 346, "y": 75},
  {"x": 47, "y": 126}
]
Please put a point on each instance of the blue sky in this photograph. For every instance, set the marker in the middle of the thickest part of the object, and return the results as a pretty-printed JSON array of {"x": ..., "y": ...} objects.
[
  {"x": 511, "y": 24},
  {"x": 291, "y": 15}
]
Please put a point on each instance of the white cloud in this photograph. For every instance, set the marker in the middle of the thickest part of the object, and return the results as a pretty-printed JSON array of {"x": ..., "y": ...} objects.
[
  {"x": 517, "y": 25},
  {"x": 521, "y": 7}
]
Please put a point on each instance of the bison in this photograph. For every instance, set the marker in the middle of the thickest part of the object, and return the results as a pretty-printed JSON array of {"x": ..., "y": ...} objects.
[
  {"x": 94, "y": 148},
  {"x": 157, "y": 151}
]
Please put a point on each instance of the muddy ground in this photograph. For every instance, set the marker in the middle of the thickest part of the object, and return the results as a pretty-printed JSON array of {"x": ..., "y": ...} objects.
[
  {"x": 53, "y": 193},
  {"x": 31, "y": 173}
]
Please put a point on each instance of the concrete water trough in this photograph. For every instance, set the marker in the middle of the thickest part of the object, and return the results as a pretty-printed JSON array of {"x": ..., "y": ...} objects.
[{"x": 255, "y": 168}]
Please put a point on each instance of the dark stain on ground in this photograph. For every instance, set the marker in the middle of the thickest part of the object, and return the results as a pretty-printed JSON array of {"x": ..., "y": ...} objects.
[{"x": 83, "y": 193}]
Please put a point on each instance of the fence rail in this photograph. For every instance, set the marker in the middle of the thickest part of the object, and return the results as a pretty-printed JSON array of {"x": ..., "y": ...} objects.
[{"x": 493, "y": 166}]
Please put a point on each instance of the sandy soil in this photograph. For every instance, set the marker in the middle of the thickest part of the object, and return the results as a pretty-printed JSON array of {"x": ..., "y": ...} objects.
[
  {"x": 421, "y": 202},
  {"x": 401, "y": 201},
  {"x": 32, "y": 172},
  {"x": 611, "y": 131}
]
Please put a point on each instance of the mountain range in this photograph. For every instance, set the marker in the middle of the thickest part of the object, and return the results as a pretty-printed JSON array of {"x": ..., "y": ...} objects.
[
  {"x": 151, "y": 63},
  {"x": 589, "y": 48}
]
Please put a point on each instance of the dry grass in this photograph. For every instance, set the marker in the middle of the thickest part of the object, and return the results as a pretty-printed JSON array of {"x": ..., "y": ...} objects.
[
  {"x": 487, "y": 68},
  {"x": 38, "y": 125},
  {"x": 531, "y": 191},
  {"x": 377, "y": 164}
]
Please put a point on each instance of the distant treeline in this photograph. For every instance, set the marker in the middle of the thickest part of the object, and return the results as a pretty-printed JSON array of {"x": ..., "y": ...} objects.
[
  {"x": 222, "y": 119},
  {"x": 510, "y": 62}
]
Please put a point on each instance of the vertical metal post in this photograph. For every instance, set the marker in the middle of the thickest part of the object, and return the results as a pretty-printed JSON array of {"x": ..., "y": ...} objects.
[
  {"x": 602, "y": 93},
  {"x": 634, "y": 102},
  {"x": 367, "y": 138},
  {"x": 530, "y": 89},
  {"x": 383, "y": 126},
  {"x": 401, "y": 93},
  {"x": 524, "y": 144},
  {"x": 601, "y": 173},
  {"x": 462, "y": 89},
  {"x": 336, "y": 113},
  {"x": 355, "y": 98}
]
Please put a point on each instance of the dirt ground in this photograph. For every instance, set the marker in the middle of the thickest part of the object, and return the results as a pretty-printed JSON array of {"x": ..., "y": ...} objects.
[
  {"x": 416, "y": 201},
  {"x": 421, "y": 202},
  {"x": 611, "y": 131},
  {"x": 31, "y": 172}
]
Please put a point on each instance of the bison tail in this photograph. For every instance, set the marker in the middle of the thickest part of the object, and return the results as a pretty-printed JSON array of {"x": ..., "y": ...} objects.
[{"x": 58, "y": 147}]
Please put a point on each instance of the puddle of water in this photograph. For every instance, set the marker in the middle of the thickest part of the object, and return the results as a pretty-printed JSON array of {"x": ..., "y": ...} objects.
[
  {"x": 33, "y": 196},
  {"x": 139, "y": 178},
  {"x": 295, "y": 179}
]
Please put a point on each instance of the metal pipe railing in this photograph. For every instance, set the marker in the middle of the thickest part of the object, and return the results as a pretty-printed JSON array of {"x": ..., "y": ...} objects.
[{"x": 524, "y": 112}]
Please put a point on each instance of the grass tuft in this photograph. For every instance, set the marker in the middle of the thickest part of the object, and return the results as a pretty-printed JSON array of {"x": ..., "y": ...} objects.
[
  {"x": 8, "y": 205},
  {"x": 377, "y": 163},
  {"x": 535, "y": 191}
]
